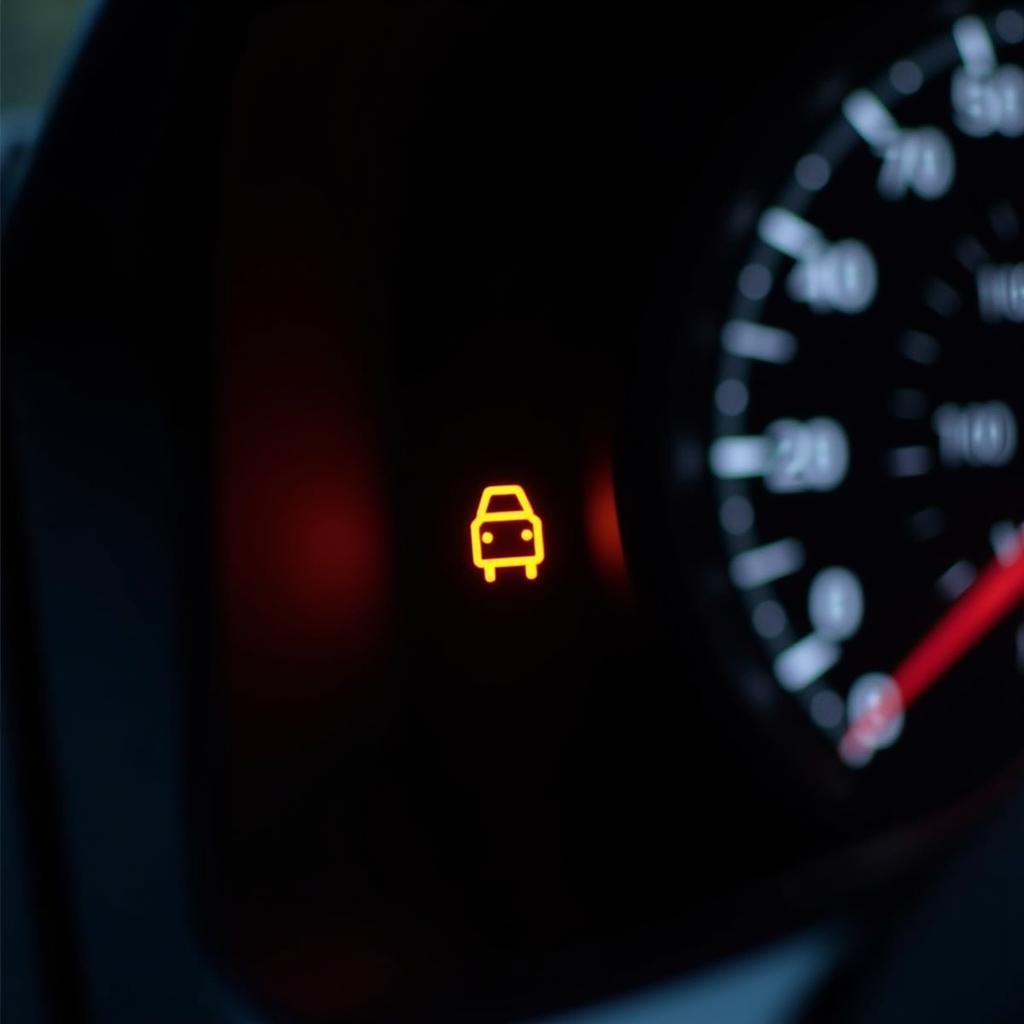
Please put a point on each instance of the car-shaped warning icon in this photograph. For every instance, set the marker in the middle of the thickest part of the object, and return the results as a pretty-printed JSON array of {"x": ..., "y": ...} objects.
[{"x": 506, "y": 532}]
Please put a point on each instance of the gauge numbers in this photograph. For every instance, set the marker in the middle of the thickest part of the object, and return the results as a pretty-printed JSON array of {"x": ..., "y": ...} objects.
[{"x": 865, "y": 443}]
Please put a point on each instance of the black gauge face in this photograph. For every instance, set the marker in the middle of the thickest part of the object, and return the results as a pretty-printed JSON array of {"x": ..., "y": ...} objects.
[{"x": 865, "y": 450}]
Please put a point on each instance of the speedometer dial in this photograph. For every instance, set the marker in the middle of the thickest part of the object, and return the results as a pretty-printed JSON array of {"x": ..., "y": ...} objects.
[{"x": 864, "y": 443}]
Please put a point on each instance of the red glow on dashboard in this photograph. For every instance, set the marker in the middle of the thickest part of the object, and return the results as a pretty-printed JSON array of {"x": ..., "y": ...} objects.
[
  {"x": 303, "y": 517},
  {"x": 602, "y": 523},
  {"x": 330, "y": 548}
]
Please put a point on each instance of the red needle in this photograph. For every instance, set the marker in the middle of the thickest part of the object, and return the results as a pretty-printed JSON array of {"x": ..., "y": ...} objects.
[{"x": 992, "y": 596}]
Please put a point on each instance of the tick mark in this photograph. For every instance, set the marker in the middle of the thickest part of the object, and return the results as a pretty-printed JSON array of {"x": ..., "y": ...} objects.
[
  {"x": 955, "y": 580},
  {"x": 971, "y": 253},
  {"x": 1007, "y": 541},
  {"x": 913, "y": 460},
  {"x": 807, "y": 660},
  {"x": 751, "y": 340},
  {"x": 770, "y": 562},
  {"x": 919, "y": 347},
  {"x": 943, "y": 298}
]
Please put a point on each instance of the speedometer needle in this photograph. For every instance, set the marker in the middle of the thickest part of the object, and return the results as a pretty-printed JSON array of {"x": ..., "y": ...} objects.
[{"x": 993, "y": 595}]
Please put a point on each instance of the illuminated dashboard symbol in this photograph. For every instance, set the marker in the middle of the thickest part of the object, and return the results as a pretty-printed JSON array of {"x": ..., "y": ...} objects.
[{"x": 515, "y": 531}]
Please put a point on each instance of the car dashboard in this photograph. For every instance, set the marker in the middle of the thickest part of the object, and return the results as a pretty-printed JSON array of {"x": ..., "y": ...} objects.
[{"x": 516, "y": 513}]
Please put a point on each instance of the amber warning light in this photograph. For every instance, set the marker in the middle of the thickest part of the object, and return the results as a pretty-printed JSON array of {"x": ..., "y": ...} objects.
[{"x": 506, "y": 532}]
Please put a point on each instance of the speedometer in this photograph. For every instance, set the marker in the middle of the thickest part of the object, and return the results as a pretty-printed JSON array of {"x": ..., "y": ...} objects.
[{"x": 863, "y": 445}]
